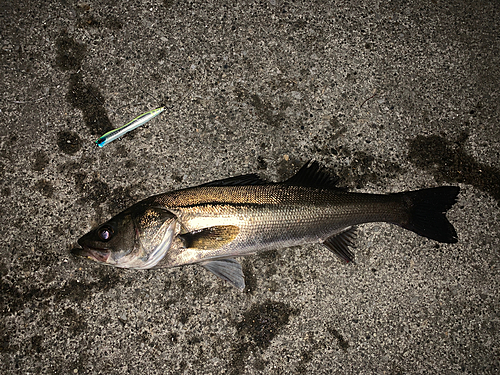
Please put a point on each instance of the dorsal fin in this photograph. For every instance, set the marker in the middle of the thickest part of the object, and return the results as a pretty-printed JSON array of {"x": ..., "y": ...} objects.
[
  {"x": 244, "y": 180},
  {"x": 312, "y": 175}
]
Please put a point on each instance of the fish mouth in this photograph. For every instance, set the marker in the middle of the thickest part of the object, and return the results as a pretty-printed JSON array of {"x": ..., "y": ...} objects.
[{"x": 99, "y": 255}]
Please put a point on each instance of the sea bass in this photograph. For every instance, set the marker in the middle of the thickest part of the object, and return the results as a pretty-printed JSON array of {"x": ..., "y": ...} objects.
[{"x": 213, "y": 223}]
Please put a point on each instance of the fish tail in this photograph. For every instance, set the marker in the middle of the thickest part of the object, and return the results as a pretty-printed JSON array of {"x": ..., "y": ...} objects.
[{"x": 426, "y": 211}]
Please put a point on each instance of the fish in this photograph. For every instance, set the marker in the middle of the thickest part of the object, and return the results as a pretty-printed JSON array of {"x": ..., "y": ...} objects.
[
  {"x": 129, "y": 126},
  {"x": 216, "y": 222}
]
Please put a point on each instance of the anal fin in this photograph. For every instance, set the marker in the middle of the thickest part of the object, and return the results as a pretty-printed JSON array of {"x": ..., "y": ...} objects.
[
  {"x": 228, "y": 270},
  {"x": 339, "y": 244}
]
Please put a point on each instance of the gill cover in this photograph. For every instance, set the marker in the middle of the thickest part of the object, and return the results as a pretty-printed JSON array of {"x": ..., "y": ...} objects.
[{"x": 155, "y": 230}]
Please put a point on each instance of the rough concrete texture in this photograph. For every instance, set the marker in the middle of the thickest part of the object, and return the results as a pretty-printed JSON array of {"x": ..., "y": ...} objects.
[{"x": 390, "y": 95}]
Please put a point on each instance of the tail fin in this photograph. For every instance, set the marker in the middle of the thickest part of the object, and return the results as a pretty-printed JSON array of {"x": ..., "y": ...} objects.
[{"x": 426, "y": 212}]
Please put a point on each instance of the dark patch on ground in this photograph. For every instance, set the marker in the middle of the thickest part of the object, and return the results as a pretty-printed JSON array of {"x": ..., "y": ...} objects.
[
  {"x": 41, "y": 161},
  {"x": 14, "y": 297},
  {"x": 343, "y": 343},
  {"x": 184, "y": 316},
  {"x": 36, "y": 344},
  {"x": 75, "y": 322},
  {"x": 177, "y": 178},
  {"x": 168, "y": 3},
  {"x": 70, "y": 166},
  {"x": 261, "y": 163},
  {"x": 339, "y": 131},
  {"x": 271, "y": 270},
  {"x": 10, "y": 144},
  {"x": 5, "y": 344},
  {"x": 314, "y": 344},
  {"x": 183, "y": 284},
  {"x": 91, "y": 21},
  {"x": 447, "y": 161},
  {"x": 95, "y": 191},
  {"x": 86, "y": 98},
  {"x": 170, "y": 301},
  {"x": 68, "y": 142},
  {"x": 80, "y": 180},
  {"x": 360, "y": 171},
  {"x": 250, "y": 278},
  {"x": 307, "y": 355},
  {"x": 129, "y": 164},
  {"x": 298, "y": 277},
  {"x": 41, "y": 259},
  {"x": 265, "y": 111},
  {"x": 4, "y": 270},
  {"x": 263, "y": 321},
  {"x": 123, "y": 198},
  {"x": 69, "y": 53},
  {"x": 269, "y": 256},
  {"x": 364, "y": 169},
  {"x": 87, "y": 19},
  {"x": 121, "y": 151},
  {"x": 6, "y": 192},
  {"x": 193, "y": 340},
  {"x": 260, "y": 324},
  {"x": 45, "y": 187},
  {"x": 90, "y": 101},
  {"x": 173, "y": 337}
]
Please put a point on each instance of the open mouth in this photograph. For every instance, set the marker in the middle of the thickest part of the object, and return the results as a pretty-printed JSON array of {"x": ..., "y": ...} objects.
[{"x": 98, "y": 255}]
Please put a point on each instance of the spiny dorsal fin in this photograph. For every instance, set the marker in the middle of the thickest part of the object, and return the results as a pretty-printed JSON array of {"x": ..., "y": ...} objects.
[
  {"x": 312, "y": 175},
  {"x": 339, "y": 244},
  {"x": 244, "y": 180},
  {"x": 210, "y": 238},
  {"x": 227, "y": 269}
]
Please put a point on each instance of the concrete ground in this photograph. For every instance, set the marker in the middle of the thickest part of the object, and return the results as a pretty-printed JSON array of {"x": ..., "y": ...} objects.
[{"x": 391, "y": 96}]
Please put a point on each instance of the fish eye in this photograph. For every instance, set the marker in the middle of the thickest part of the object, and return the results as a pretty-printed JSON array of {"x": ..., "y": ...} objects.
[{"x": 105, "y": 233}]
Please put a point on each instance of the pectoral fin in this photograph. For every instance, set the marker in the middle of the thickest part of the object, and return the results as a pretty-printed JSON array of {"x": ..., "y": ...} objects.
[
  {"x": 339, "y": 244},
  {"x": 210, "y": 238},
  {"x": 227, "y": 269}
]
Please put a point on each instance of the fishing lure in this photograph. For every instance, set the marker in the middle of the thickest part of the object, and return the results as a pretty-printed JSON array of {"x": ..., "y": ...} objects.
[{"x": 135, "y": 123}]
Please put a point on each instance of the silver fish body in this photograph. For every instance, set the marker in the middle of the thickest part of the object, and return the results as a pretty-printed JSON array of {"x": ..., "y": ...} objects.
[
  {"x": 213, "y": 223},
  {"x": 269, "y": 217}
]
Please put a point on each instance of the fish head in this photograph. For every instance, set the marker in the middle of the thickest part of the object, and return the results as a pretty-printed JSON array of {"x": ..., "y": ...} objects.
[{"x": 137, "y": 238}]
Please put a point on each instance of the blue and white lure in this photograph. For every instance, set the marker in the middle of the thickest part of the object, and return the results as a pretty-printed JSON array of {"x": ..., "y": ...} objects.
[{"x": 135, "y": 123}]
